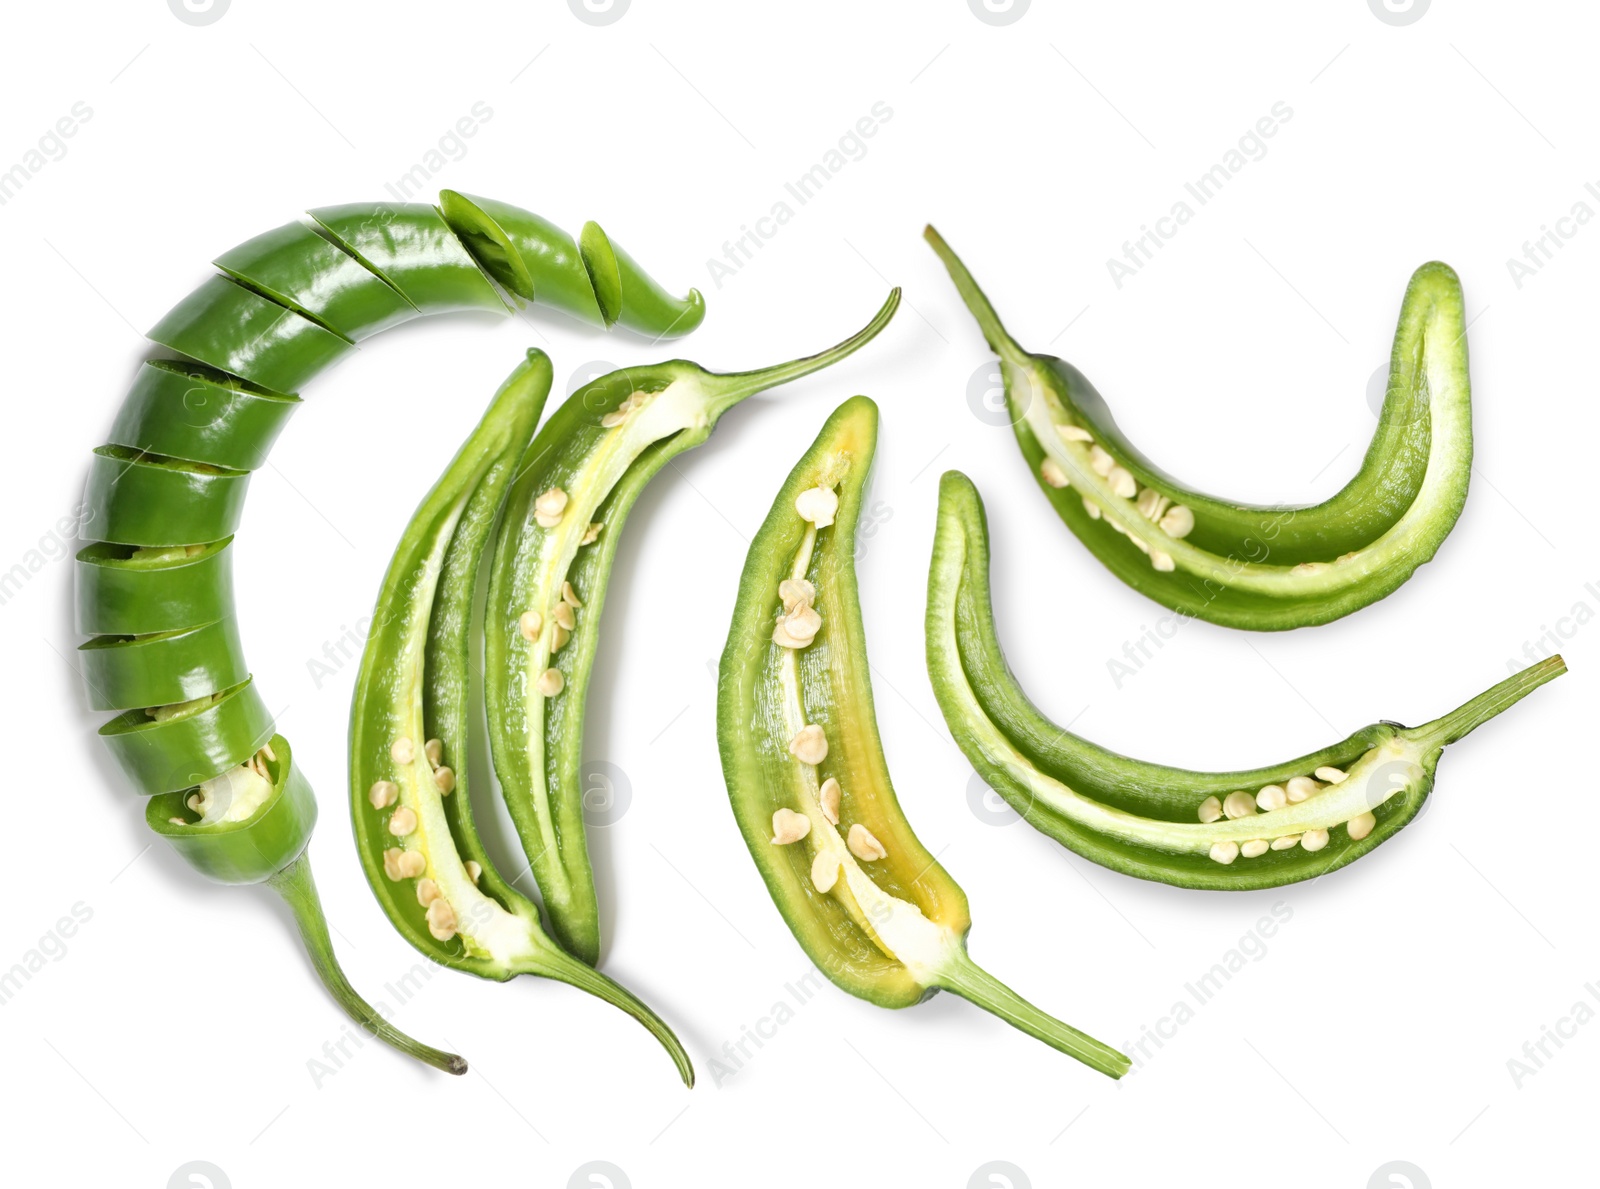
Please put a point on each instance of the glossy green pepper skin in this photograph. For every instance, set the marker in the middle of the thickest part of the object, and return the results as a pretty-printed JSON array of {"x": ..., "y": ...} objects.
[
  {"x": 1247, "y": 566},
  {"x": 1317, "y": 812},
  {"x": 408, "y": 730},
  {"x": 165, "y": 495},
  {"x": 805, "y": 769},
  {"x": 547, "y": 586}
]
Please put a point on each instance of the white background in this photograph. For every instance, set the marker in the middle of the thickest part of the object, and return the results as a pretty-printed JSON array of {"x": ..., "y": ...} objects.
[{"x": 1379, "y": 1021}]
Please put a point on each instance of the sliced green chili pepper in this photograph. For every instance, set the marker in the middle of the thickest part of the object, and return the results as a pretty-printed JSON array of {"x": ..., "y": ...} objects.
[
  {"x": 165, "y": 495},
  {"x": 1262, "y": 568},
  {"x": 408, "y": 730},
  {"x": 552, "y": 556},
  {"x": 1286, "y": 822},
  {"x": 805, "y": 768}
]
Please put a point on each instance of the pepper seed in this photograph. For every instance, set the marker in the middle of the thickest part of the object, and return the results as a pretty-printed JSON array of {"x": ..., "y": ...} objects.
[
  {"x": 563, "y": 615},
  {"x": 864, "y": 845},
  {"x": 809, "y": 745},
  {"x": 1092, "y": 508},
  {"x": 1122, "y": 482},
  {"x": 434, "y": 750},
  {"x": 441, "y": 920},
  {"x": 1050, "y": 471},
  {"x": 382, "y": 794},
  {"x": 529, "y": 625},
  {"x": 1272, "y": 797},
  {"x": 1224, "y": 852},
  {"x": 1254, "y": 848},
  {"x": 1100, "y": 462},
  {"x": 550, "y": 683},
  {"x": 403, "y": 821},
  {"x": 795, "y": 590},
  {"x": 427, "y": 892},
  {"x": 1073, "y": 433},
  {"x": 1178, "y": 522},
  {"x": 569, "y": 596},
  {"x": 1286, "y": 842},
  {"x": 824, "y": 871},
  {"x": 819, "y": 505},
  {"x": 1330, "y": 775},
  {"x": 1361, "y": 825},
  {"x": 558, "y": 638},
  {"x": 474, "y": 870},
  {"x": 1314, "y": 840},
  {"x": 402, "y": 750},
  {"x": 591, "y": 533},
  {"x": 1300, "y": 788},
  {"x": 391, "y": 863},
  {"x": 445, "y": 778},
  {"x": 829, "y": 796},
  {"x": 1210, "y": 810},
  {"x": 1240, "y": 804},
  {"x": 789, "y": 826}
]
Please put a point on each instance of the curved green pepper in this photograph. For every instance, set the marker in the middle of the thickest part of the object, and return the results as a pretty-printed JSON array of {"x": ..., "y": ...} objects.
[
  {"x": 164, "y": 498},
  {"x": 547, "y": 583},
  {"x": 805, "y": 769},
  {"x": 133, "y": 498},
  {"x": 125, "y": 591},
  {"x": 161, "y": 668},
  {"x": 1283, "y": 823},
  {"x": 408, "y": 730},
  {"x": 1246, "y": 566},
  {"x": 190, "y": 411}
]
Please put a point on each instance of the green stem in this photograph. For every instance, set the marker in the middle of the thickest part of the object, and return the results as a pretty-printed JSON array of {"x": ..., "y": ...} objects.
[
  {"x": 295, "y": 885},
  {"x": 1471, "y": 715},
  {"x": 563, "y": 967},
  {"x": 966, "y": 978},
  {"x": 732, "y": 387},
  {"x": 994, "y": 333}
]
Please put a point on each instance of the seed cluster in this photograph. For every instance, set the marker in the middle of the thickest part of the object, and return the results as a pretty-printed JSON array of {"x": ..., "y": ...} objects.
[
  {"x": 200, "y": 802},
  {"x": 1241, "y": 804},
  {"x": 618, "y": 415},
  {"x": 401, "y": 863},
  {"x": 564, "y": 621},
  {"x": 1177, "y": 521}
]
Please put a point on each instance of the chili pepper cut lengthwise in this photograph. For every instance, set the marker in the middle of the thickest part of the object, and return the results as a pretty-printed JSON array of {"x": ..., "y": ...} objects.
[
  {"x": 408, "y": 731},
  {"x": 806, "y": 772},
  {"x": 1259, "y": 828},
  {"x": 165, "y": 494},
  {"x": 1248, "y": 566},
  {"x": 552, "y": 555}
]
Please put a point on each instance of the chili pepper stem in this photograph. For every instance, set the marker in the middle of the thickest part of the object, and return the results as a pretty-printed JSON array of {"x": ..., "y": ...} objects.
[
  {"x": 964, "y": 977},
  {"x": 1473, "y": 714},
  {"x": 563, "y": 967},
  {"x": 295, "y": 885},
  {"x": 994, "y": 333},
  {"x": 730, "y": 388}
]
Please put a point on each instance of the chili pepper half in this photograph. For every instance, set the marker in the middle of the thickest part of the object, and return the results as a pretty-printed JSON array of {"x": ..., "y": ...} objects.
[
  {"x": 165, "y": 494},
  {"x": 1283, "y": 823},
  {"x": 1246, "y": 566},
  {"x": 805, "y": 769},
  {"x": 408, "y": 730},
  {"x": 547, "y": 585}
]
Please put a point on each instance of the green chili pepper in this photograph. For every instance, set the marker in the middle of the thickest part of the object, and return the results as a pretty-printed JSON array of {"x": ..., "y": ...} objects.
[
  {"x": 1262, "y": 568},
  {"x": 1290, "y": 821},
  {"x": 408, "y": 730},
  {"x": 165, "y": 495},
  {"x": 547, "y": 581},
  {"x": 805, "y": 769}
]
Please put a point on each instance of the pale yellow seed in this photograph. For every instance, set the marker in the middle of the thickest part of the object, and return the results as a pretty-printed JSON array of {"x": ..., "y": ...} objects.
[
  {"x": 789, "y": 826},
  {"x": 391, "y": 863},
  {"x": 1300, "y": 788},
  {"x": 1314, "y": 839},
  {"x": 1210, "y": 810},
  {"x": 445, "y": 778},
  {"x": 1122, "y": 482},
  {"x": 413, "y": 863},
  {"x": 474, "y": 870},
  {"x": 829, "y": 796},
  {"x": 382, "y": 794},
  {"x": 266, "y": 750},
  {"x": 614, "y": 418},
  {"x": 1255, "y": 848},
  {"x": 1224, "y": 852},
  {"x": 402, "y": 750},
  {"x": 795, "y": 590},
  {"x": 864, "y": 845},
  {"x": 177, "y": 821},
  {"x": 798, "y": 628},
  {"x": 1162, "y": 561},
  {"x": 558, "y": 638},
  {"x": 1361, "y": 825},
  {"x": 569, "y": 596},
  {"x": 1330, "y": 775},
  {"x": 1151, "y": 504},
  {"x": 551, "y": 503},
  {"x": 1100, "y": 462},
  {"x": 1074, "y": 433},
  {"x": 1272, "y": 797},
  {"x": 550, "y": 683},
  {"x": 1092, "y": 508},
  {"x": 530, "y": 624},
  {"x": 809, "y": 745},
  {"x": 1050, "y": 471},
  {"x": 1240, "y": 804},
  {"x": 1178, "y": 522},
  {"x": 434, "y": 750},
  {"x": 194, "y": 802},
  {"x": 441, "y": 920},
  {"x": 825, "y": 871},
  {"x": 1309, "y": 567},
  {"x": 1286, "y": 842},
  {"x": 427, "y": 892},
  {"x": 565, "y": 616},
  {"x": 819, "y": 505},
  {"x": 402, "y": 821},
  {"x": 591, "y": 534}
]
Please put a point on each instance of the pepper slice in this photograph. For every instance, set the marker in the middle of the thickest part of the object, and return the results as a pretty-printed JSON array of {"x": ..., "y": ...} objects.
[
  {"x": 164, "y": 748},
  {"x": 134, "y": 498},
  {"x": 806, "y": 772},
  {"x": 547, "y": 582},
  {"x": 1246, "y": 566},
  {"x": 411, "y": 247},
  {"x": 190, "y": 411},
  {"x": 408, "y": 726},
  {"x": 127, "y": 591},
  {"x": 1316, "y": 812},
  {"x": 161, "y": 668}
]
